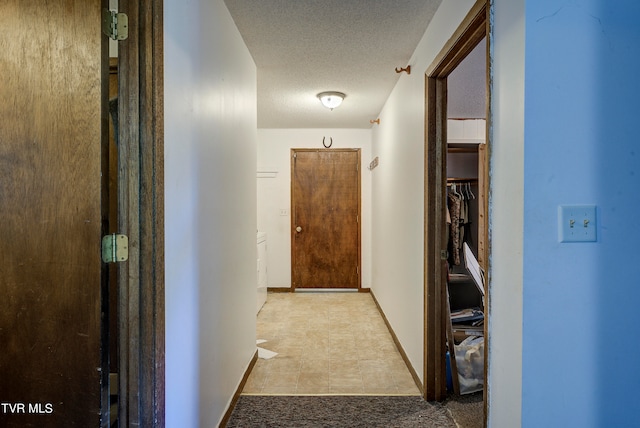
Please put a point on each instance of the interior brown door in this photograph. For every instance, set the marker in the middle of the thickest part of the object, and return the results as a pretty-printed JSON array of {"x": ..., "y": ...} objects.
[
  {"x": 325, "y": 201},
  {"x": 53, "y": 112}
]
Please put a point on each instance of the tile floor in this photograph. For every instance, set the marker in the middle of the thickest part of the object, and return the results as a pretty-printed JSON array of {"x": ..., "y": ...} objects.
[{"x": 327, "y": 343}]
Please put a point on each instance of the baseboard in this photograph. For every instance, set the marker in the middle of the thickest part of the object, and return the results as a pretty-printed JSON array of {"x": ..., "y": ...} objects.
[
  {"x": 403, "y": 354},
  {"x": 236, "y": 396},
  {"x": 280, "y": 289},
  {"x": 293, "y": 290}
]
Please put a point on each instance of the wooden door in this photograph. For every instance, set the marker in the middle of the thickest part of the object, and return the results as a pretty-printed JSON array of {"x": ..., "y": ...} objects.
[
  {"x": 325, "y": 201},
  {"x": 53, "y": 67}
]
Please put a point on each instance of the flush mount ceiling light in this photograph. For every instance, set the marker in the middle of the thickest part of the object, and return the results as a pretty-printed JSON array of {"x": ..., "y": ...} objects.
[{"x": 331, "y": 99}]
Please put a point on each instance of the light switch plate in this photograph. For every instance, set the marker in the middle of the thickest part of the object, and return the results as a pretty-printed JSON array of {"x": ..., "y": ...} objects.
[{"x": 577, "y": 223}]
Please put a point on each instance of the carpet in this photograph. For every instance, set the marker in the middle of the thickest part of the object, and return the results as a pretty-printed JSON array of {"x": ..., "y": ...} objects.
[
  {"x": 338, "y": 411},
  {"x": 467, "y": 410}
]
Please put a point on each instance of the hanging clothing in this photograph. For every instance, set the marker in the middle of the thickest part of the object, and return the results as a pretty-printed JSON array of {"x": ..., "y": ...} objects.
[
  {"x": 464, "y": 219},
  {"x": 455, "y": 203}
]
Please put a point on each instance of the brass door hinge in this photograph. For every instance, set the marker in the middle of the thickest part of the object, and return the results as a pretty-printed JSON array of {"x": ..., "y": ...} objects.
[
  {"x": 115, "y": 248},
  {"x": 115, "y": 25}
]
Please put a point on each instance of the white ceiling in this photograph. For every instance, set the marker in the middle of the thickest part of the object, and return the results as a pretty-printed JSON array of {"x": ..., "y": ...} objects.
[{"x": 303, "y": 47}]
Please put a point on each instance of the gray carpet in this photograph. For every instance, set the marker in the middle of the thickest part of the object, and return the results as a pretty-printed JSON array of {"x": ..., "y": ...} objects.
[
  {"x": 338, "y": 411},
  {"x": 467, "y": 410}
]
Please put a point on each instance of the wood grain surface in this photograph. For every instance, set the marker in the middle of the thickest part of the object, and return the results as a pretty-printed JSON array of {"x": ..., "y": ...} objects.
[
  {"x": 326, "y": 208},
  {"x": 50, "y": 211}
]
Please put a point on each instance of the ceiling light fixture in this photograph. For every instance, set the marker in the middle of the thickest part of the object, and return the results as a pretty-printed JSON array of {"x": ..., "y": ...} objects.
[{"x": 331, "y": 99}]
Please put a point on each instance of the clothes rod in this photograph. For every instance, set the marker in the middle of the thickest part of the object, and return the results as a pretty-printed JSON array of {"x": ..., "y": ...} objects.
[{"x": 461, "y": 180}]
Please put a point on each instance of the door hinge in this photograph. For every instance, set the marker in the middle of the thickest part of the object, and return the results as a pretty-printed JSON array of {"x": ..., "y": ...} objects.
[
  {"x": 115, "y": 248},
  {"x": 444, "y": 254},
  {"x": 115, "y": 25}
]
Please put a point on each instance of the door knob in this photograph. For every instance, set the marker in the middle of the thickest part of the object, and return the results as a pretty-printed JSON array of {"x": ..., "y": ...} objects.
[{"x": 298, "y": 229}]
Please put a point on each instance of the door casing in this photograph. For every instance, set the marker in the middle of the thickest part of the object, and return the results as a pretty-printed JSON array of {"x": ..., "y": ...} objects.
[
  {"x": 141, "y": 216},
  {"x": 469, "y": 33}
]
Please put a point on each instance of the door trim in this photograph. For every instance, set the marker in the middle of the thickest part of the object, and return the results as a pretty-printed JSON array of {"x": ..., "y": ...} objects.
[
  {"x": 141, "y": 216},
  {"x": 293, "y": 219},
  {"x": 473, "y": 28}
]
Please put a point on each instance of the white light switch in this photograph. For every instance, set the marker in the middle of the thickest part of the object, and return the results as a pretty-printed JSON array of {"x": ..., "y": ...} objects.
[{"x": 577, "y": 223}]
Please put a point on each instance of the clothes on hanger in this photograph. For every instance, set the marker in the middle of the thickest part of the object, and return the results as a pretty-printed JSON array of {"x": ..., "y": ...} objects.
[
  {"x": 455, "y": 202},
  {"x": 458, "y": 197}
]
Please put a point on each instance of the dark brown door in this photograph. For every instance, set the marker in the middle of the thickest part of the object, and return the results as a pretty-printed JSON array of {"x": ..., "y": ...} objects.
[
  {"x": 325, "y": 200},
  {"x": 52, "y": 66}
]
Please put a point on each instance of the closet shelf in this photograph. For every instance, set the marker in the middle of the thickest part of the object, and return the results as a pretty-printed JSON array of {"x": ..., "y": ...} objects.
[
  {"x": 457, "y": 278},
  {"x": 461, "y": 180},
  {"x": 471, "y": 147}
]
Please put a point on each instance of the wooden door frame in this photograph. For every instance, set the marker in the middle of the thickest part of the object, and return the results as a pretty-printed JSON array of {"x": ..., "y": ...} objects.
[
  {"x": 141, "y": 216},
  {"x": 469, "y": 33},
  {"x": 293, "y": 225}
]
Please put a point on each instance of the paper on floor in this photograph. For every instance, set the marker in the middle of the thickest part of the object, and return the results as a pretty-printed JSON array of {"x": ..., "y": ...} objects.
[{"x": 265, "y": 354}]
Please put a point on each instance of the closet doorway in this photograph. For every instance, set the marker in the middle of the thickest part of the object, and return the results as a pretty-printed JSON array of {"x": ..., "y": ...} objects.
[{"x": 473, "y": 29}]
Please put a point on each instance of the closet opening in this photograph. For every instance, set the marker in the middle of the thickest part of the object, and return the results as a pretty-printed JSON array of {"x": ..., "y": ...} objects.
[{"x": 456, "y": 240}]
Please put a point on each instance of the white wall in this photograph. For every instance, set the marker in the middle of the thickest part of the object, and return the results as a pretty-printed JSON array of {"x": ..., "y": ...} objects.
[
  {"x": 506, "y": 216},
  {"x": 398, "y": 190},
  {"x": 274, "y": 193},
  {"x": 210, "y": 193}
]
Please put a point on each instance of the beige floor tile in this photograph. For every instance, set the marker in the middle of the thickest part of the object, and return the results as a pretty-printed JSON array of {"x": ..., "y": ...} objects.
[
  {"x": 344, "y": 354},
  {"x": 283, "y": 379},
  {"x": 290, "y": 341},
  {"x": 316, "y": 343},
  {"x": 313, "y": 379},
  {"x": 380, "y": 390},
  {"x": 409, "y": 390},
  {"x": 280, "y": 390},
  {"x": 344, "y": 365},
  {"x": 346, "y": 389},
  {"x": 321, "y": 354},
  {"x": 327, "y": 343},
  {"x": 346, "y": 380},
  {"x": 255, "y": 382},
  {"x": 378, "y": 379},
  {"x": 405, "y": 384},
  {"x": 375, "y": 366},
  {"x": 312, "y": 390},
  {"x": 283, "y": 364},
  {"x": 289, "y": 350},
  {"x": 315, "y": 365}
]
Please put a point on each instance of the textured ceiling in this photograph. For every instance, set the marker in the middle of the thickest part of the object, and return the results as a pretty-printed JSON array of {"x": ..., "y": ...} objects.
[{"x": 303, "y": 47}]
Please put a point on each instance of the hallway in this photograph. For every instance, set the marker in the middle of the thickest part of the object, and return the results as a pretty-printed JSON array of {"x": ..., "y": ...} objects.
[{"x": 327, "y": 343}]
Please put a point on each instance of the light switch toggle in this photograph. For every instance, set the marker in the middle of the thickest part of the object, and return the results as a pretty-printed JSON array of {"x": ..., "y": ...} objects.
[{"x": 569, "y": 219}]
